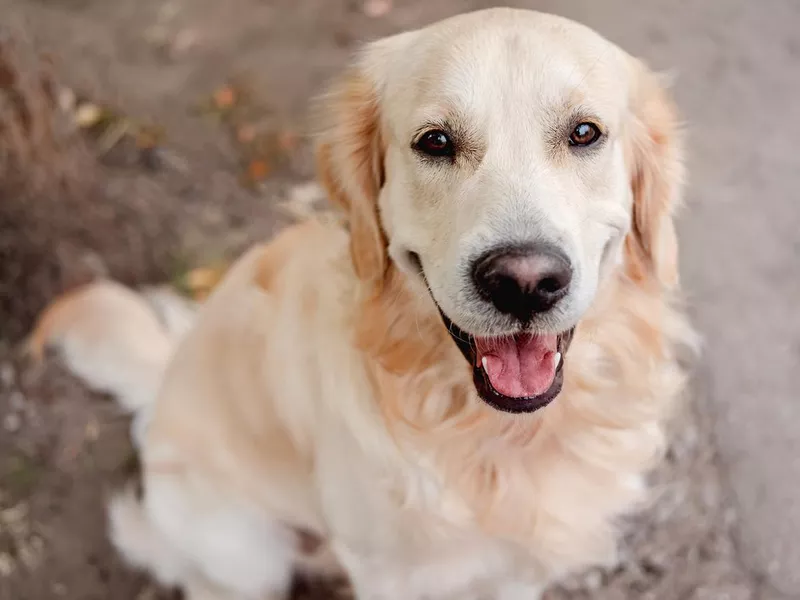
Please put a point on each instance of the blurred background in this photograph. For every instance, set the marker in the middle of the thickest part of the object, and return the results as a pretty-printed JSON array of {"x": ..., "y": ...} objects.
[{"x": 152, "y": 140}]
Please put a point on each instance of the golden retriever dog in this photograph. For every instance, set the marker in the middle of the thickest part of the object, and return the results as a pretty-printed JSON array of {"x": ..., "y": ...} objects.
[{"x": 453, "y": 390}]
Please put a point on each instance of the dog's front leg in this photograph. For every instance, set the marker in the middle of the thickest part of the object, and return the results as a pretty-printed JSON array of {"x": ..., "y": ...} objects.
[
  {"x": 371, "y": 577},
  {"x": 200, "y": 589},
  {"x": 446, "y": 577},
  {"x": 517, "y": 590},
  {"x": 393, "y": 589}
]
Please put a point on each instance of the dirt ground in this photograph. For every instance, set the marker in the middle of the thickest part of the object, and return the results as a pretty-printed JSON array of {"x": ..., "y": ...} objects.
[{"x": 144, "y": 211}]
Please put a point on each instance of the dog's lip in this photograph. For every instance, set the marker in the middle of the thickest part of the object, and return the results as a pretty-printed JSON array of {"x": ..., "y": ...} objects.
[{"x": 487, "y": 393}]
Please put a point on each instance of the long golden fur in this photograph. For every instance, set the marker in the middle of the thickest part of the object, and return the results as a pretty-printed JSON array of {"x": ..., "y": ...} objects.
[{"x": 319, "y": 377}]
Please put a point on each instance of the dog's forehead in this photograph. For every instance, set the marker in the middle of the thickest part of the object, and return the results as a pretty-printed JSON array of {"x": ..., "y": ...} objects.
[
  {"x": 521, "y": 60},
  {"x": 512, "y": 59}
]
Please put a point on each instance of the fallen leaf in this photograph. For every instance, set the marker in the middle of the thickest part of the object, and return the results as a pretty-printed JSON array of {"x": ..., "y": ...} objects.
[
  {"x": 149, "y": 137},
  {"x": 89, "y": 114},
  {"x": 203, "y": 277},
  {"x": 257, "y": 170},
  {"x": 201, "y": 281},
  {"x": 113, "y": 134},
  {"x": 224, "y": 97}
]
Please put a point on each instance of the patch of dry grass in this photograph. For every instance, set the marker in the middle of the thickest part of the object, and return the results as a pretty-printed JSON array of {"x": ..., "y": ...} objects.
[
  {"x": 45, "y": 179},
  {"x": 58, "y": 225}
]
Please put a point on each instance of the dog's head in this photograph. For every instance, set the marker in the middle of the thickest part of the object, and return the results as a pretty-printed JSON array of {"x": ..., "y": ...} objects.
[{"x": 508, "y": 162}]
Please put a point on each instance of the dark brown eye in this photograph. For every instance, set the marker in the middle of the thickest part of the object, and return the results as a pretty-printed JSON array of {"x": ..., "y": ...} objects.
[
  {"x": 584, "y": 134},
  {"x": 435, "y": 143}
]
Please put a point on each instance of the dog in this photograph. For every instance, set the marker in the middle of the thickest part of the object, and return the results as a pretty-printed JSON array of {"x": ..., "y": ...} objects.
[{"x": 453, "y": 390}]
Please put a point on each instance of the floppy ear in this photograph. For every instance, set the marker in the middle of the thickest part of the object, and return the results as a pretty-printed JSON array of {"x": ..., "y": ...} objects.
[
  {"x": 350, "y": 167},
  {"x": 654, "y": 158}
]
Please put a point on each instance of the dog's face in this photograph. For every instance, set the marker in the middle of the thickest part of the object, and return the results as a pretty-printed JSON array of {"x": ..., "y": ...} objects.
[{"x": 508, "y": 161}]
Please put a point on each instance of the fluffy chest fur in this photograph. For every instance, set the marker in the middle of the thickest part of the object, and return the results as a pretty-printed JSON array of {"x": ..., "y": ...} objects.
[{"x": 356, "y": 417}]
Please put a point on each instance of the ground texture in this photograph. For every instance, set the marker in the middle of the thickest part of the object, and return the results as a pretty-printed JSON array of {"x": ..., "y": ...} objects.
[{"x": 202, "y": 134}]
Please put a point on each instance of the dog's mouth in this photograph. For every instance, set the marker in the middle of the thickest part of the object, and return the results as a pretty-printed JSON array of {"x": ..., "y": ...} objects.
[{"x": 515, "y": 373}]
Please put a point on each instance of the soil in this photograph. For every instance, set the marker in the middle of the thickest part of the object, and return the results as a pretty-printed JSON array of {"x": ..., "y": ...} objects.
[{"x": 71, "y": 208}]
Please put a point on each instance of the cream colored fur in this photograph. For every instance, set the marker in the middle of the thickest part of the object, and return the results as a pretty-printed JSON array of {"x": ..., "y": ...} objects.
[{"x": 318, "y": 390}]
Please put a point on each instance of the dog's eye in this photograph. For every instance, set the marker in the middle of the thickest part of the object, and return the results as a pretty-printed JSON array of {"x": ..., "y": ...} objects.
[
  {"x": 584, "y": 134},
  {"x": 435, "y": 143}
]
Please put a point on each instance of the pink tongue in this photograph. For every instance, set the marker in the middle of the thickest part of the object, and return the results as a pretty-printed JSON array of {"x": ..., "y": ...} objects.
[{"x": 520, "y": 366}]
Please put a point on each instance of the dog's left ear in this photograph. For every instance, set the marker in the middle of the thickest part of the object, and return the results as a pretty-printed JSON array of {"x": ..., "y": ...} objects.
[
  {"x": 350, "y": 155},
  {"x": 654, "y": 156}
]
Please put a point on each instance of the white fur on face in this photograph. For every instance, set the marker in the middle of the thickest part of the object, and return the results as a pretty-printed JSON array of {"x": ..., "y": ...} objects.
[{"x": 511, "y": 94}]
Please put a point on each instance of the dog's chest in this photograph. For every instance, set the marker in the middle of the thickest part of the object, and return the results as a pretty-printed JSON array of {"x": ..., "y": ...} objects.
[{"x": 395, "y": 521}]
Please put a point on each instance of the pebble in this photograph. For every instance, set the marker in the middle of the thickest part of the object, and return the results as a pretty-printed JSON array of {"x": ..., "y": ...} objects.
[
  {"x": 7, "y": 564},
  {"x": 149, "y": 593},
  {"x": 31, "y": 552},
  {"x": 377, "y": 8},
  {"x": 593, "y": 580},
  {"x": 59, "y": 589},
  {"x": 185, "y": 40},
  {"x": 724, "y": 592},
  {"x": 7, "y": 375},
  {"x": 66, "y": 100},
  {"x": 16, "y": 401},
  {"x": 12, "y": 422}
]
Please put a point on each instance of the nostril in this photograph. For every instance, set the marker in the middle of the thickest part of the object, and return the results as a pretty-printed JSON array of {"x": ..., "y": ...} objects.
[{"x": 549, "y": 285}]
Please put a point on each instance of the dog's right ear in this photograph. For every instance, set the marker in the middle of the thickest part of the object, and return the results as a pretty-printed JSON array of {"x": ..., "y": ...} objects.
[{"x": 350, "y": 165}]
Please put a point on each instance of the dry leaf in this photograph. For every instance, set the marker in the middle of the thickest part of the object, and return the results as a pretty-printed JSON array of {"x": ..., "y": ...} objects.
[
  {"x": 224, "y": 97},
  {"x": 203, "y": 277},
  {"x": 149, "y": 137},
  {"x": 257, "y": 170},
  {"x": 113, "y": 134},
  {"x": 200, "y": 282},
  {"x": 89, "y": 114}
]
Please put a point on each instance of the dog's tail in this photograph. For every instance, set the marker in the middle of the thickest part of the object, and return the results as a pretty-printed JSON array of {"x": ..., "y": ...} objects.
[{"x": 115, "y": 339}]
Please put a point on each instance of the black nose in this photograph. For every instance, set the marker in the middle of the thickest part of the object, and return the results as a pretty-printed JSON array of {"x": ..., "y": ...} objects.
[{"x": 523, "y": 281}]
